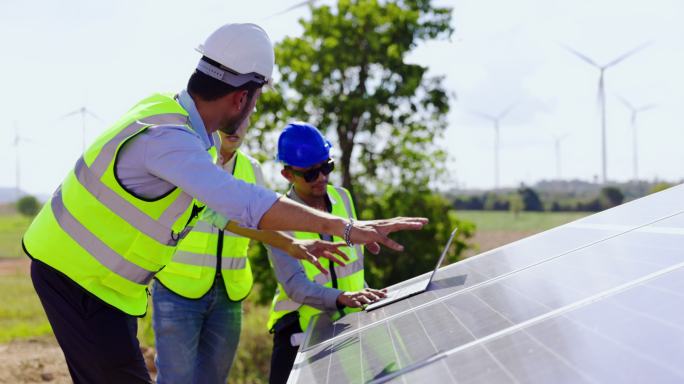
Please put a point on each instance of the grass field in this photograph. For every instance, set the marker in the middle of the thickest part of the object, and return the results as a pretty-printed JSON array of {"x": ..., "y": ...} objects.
[
  {"x": 497, "y": 228},
  {"x": 22, "y": 317},
  {"x": 525, "y": 221},
  {"x": 12, "y": 227}
]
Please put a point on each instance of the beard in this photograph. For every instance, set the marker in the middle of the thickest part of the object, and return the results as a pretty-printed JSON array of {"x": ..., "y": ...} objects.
[{"x": 231, "y": 125}]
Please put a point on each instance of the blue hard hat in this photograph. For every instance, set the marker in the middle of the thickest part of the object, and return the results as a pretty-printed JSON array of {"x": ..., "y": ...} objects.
[{"x": 302, "y": 145}]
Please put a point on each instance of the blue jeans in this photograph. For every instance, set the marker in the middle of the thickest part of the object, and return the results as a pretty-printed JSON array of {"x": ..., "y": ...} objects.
[{"x": 196, "y": 339}]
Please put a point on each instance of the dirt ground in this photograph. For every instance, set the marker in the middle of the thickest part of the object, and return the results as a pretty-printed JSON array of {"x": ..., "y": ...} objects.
[
  {"x": 14, "y": 266},
  {"x": 41, "y": 361},
  {"x": 33, "y": 361},
  {"x": 487, "y": 240}
]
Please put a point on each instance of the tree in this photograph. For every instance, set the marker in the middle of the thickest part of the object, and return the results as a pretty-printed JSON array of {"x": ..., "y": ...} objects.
[
  {"x": 610, "y": 197},
  {"x": 347, "y": 75},
  {"x": 531, "y": 201},
  {"x": 421, "y": 248},
  {"x": 28, "y": 206}
]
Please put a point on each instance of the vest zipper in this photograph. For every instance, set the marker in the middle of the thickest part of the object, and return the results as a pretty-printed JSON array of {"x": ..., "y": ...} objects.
[
  {"x": 331, "y": 267},
  {"x": 219, "y": 253},
  {"x": 219, "y": 243}
]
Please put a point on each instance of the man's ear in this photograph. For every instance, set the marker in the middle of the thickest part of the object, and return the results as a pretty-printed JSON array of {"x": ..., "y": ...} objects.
[
  {"x": 236, "y": 100},
  {"x": 287, "y": 175}
]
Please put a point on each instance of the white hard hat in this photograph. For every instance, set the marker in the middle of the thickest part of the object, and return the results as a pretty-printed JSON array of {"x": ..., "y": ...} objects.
[{"x": 244, "y": 52}]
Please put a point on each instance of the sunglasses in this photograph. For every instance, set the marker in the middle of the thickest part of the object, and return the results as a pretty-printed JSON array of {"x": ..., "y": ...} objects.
[{"x": 312, "y": 174}]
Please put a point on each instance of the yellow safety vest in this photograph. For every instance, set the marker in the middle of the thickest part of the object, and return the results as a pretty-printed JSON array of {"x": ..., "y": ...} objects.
[
  {"x": 99, "y": 234},
  {"x": 206, "y": 248},
  {"x": 349, "y": 277}
]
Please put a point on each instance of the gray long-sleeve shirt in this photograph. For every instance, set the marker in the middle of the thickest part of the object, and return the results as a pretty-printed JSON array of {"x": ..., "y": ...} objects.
[
  {"x": 291, "y": 275},
  {"x": 157, "y": 160}
]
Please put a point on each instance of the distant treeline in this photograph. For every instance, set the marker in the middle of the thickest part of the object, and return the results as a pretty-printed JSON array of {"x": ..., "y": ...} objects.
[{"x": 552, "y": 197}]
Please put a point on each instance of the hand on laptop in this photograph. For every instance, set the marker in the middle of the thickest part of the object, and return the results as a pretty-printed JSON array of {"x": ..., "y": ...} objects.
[
  {"x": 372, "y": 233},
  {"x": 360, "y": 298}
]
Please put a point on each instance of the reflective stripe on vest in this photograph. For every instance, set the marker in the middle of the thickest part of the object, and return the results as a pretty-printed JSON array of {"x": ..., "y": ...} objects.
[
  {"x": 102, "y": 236},
  {"x": 349, "y": 277},
  {"x": 156, "y": 229},
  {"x": 202, "y": 260},
  {"x": 192, "y": 270},
  {"x": 105, "y": 255}
]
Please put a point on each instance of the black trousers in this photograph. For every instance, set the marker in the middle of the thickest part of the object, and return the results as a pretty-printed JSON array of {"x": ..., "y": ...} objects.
[
  {"x": 99, "y": 341},
  {"x": 284, "y": 354}
]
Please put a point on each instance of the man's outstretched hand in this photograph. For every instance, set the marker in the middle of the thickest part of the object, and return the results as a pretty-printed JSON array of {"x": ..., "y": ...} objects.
[
  {"x": 372, "y": 233},
  {"x": 313, "y": 250}
]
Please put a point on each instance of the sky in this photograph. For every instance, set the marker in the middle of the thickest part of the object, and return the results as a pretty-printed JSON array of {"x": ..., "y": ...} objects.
[{"x": 106, "y": 55}]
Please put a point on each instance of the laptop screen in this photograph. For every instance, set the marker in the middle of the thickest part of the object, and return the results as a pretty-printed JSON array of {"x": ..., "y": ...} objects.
[{"x": 444, "y": 252}]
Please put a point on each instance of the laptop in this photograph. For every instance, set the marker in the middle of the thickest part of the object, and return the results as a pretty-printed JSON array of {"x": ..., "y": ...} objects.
[{"x": 412, "y": 288}]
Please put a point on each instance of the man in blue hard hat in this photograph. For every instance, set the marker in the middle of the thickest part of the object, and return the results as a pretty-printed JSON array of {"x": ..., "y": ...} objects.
[{"x": 304, "y": 291}]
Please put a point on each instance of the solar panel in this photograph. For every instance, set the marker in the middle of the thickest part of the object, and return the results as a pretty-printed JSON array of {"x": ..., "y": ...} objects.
[{"x": 596, "y": 300}]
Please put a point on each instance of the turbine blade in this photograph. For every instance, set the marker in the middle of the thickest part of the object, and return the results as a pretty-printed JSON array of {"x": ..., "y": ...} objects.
[
  {"x": 507, "y": 110},
  {"x": 483, "y": 115},
  {"x": 581, "y": 56},
  {"x": 628, "y": 54},
  {"x": 293, "y": 7},
  {"x": 76, "y": 112},
  {"x": 88, "y": 112},
  {"x": 647, "y": 107},
  {"x": 626, "y": 103}
]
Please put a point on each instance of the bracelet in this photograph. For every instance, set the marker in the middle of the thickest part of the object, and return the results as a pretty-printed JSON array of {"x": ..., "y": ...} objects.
[{"x": 347, "y": 232}]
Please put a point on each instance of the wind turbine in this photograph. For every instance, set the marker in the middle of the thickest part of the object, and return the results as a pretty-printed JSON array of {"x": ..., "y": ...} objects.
[
  {"x": 17, "y": 141},
  {"x": 83, "y": 111},
  {"x": 602, "y": 93},
  {"x": 496, "y": 120},
  {"x": 634, "y": 112},
  {"x": 557, "y": 140}
]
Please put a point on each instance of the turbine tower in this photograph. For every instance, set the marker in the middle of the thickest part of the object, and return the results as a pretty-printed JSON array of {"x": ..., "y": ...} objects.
[
  {"x": 18, "y": 139},
  {"x": 83, "y": 111},
  {"x": 602, "y": 94},
  {"x": 496, "y": 120},
  {"x": 557, "y": 140},
  {"x": 633, "y": 120}
]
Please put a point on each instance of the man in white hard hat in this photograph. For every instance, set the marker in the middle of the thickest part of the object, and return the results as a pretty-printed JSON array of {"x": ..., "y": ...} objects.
[{"x": 117, "y": 217}]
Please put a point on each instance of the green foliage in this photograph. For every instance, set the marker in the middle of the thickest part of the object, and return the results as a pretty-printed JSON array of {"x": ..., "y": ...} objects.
[
  {"x": 347, "y": 75},
  {"x": 421, "y": 248},
  {"x": 610, "y": 197},
  {"x": 253, "y": 359},
  {"x": 531, "y": 201},
  {"x": 516, "y": 204},
  {"x": 28, "y": 206},
  {"x": 494, "y": 202},
  {"x": 263, "y": 274}
]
